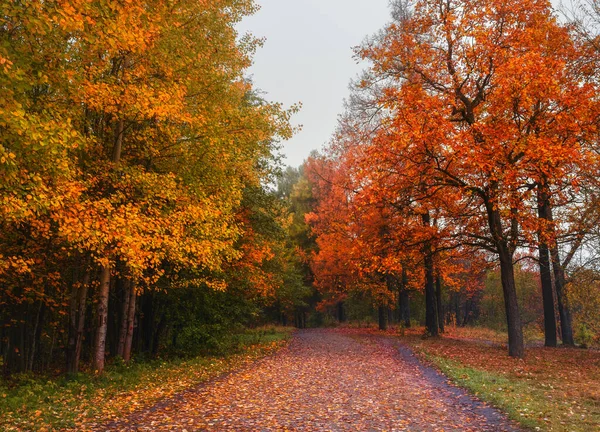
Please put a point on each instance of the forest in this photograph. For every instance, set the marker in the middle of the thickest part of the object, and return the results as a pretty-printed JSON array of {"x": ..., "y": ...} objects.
[{"x": 146, "y": 214}]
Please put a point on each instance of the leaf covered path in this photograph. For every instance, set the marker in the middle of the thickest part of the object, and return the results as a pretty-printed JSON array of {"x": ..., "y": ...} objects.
[{"x": 326, "y": 380}]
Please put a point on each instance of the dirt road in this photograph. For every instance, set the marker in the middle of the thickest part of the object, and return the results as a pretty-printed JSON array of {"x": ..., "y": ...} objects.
[{"x": 326, "y": 380}]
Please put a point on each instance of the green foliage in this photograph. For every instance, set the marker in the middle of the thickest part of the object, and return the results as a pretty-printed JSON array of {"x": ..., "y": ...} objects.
[
  {"x": 584, "y": 336},
  {"x": 492, "y": 313}
]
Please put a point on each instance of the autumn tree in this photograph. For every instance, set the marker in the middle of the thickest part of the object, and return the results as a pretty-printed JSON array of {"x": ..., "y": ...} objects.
[
  {"x": 130, "y": 142},
  {"x": 486, "y": 91}
]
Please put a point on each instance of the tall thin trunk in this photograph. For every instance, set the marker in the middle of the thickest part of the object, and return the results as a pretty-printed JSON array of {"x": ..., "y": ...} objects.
[
  {"x": 83, "y": 290},
  {"x": 130, "y": 323},
  {"x": 431, "y": 320},
  {"x": 73, "y": 309},
  {"x": 404, "y": 299},
  {"x": 37, "y": 332},
  {"x": 564, "y": 312},
  {"x": 516, "y": 346},
  {"x": 438, "y": 295},
  {"x": 547, "y": 297},
  {"x": 544, "y": 264},
  {"x": 127, "y": 287},
  {"x": 102, "y": 317}
]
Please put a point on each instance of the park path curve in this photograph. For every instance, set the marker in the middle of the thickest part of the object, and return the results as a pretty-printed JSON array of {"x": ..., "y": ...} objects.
[{"x": 325, "y": 380}]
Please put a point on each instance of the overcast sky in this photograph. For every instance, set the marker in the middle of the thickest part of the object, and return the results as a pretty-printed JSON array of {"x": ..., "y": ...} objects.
[{"x": 308, "y": 58}]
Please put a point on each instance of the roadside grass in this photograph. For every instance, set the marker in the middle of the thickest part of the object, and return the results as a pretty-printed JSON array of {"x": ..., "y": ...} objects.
[
  {"x": 36, "y": 403},
  {"x": 552, "y": 389}
]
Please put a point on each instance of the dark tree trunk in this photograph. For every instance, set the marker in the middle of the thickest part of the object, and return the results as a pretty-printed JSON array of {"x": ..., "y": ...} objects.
[
  {"x": 564, "y": 312},
  {"x": 382, "y": 312},
  {"x": 516, "y": 346},
  {"x": 546, "y": 277},
  {"x": 505, "y": 251},
  {"x": 404, "y": 300},
  {"x": 431, "y": 320},
  {"x": 37, "y": 334},
  {"x": 83, "y": 291},
  {"x": 77, "y": 323},
  {"x": 125, "y": 298},
  {"x": 438, "y": 295},
  {"x": 547, "y": 297}
]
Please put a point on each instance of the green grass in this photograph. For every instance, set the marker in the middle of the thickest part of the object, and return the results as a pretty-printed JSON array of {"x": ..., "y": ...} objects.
[
  {"x": 41, "y": 403},
  {"x": 527, "y": 402}
]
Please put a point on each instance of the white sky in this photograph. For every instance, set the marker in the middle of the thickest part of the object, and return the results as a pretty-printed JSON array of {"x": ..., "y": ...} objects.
[{"x": 308, "y": 58}]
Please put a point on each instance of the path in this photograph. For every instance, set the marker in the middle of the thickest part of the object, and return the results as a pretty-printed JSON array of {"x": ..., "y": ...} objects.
[{"x": 327, "y": 380}]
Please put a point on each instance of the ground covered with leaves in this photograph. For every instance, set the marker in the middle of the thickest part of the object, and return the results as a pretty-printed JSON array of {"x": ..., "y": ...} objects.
[
  {"x": 325, "y": 380},
  {"x": 552, "y": 389},
  {"x": 83, "y": 402}
]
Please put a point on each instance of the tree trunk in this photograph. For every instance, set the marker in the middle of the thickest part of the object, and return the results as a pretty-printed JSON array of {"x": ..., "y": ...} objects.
[
  {"x": 516, "y": 346},
  {"x": 130, "y": 319},
  {"x": 544, "y": 263},
  {"x": 438, "y": 296},
  {"x": 37, "y": 333},
  {"x": 382, "y": 312},
  {"x": 404, "y": 300},
  {"x": 73, "y": 313},
  {"x": 564, "y": 312},
  {"x": 102, "y": 315},
  {"x": 431, "y": 320},
  {"x": 83, "y": 291},
  {"x": 547, "y": 297},
  {"x": 126, "y": 285},
  {"x": 77, "y": 323}
]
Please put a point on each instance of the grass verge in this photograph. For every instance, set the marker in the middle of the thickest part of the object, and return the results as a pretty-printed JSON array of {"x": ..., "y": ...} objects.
[
  {"x": 80, "y": 402},
  {"x": 552, "y": 389}
]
